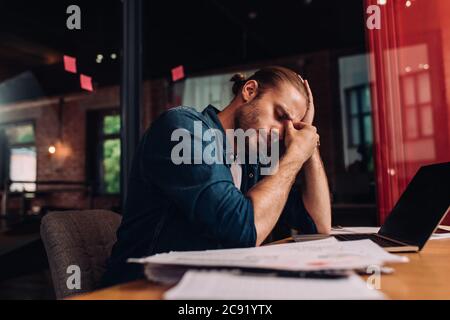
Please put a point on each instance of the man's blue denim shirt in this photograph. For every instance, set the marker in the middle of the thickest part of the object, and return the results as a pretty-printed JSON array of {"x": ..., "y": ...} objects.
[{"x": 186, "y": 207}]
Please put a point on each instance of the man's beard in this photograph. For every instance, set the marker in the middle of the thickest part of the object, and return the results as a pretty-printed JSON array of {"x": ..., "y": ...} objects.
[{"x": 246, "y": 118}]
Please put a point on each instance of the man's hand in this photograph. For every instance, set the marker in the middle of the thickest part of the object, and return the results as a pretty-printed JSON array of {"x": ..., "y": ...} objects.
[
  {"x": 309, "y": 115},
  {"x": 315, "y": 194},
  {"x": 301, "y": 140},
  {"x": 269, "y": 196}
]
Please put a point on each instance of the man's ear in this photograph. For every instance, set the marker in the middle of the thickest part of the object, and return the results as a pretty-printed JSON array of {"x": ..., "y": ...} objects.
[{"x": 249, "y": 90}]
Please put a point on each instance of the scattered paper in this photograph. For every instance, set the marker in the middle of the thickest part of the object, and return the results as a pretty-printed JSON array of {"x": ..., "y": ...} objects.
[
  {"x": 440, "y": 236},
  {"x": 347, "y": 230},
  {"x": 213, "y": 285},
  {"x": 445, "y": 228},
  {"x": 327, "y": 254}
]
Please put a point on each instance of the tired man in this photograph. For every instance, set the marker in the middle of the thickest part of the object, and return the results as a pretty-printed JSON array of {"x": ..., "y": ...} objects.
[{"x": 173, "y": 206}]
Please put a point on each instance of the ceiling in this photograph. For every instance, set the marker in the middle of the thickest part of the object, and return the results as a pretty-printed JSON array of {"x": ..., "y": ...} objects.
[{"x": 201, "y": 35}]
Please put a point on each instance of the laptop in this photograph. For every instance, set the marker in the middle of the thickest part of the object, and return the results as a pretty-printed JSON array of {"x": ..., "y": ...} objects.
[{"x": 417, "y": 213}]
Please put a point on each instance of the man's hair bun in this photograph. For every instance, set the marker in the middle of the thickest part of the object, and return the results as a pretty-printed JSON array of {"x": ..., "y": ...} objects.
[
  {"x": 239, "y": 81},
  {"x": 237, "y": 77}
]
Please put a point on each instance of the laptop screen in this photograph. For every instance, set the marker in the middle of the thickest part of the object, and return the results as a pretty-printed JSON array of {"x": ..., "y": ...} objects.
[{"x": 421, "y": 206}]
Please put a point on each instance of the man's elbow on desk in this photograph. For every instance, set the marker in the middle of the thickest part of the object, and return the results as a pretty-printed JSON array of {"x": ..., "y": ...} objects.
[
  {"x": 324, "y": 229},
  {"x": 320, "y": 214},
  {"x": 323, "y": 222}
]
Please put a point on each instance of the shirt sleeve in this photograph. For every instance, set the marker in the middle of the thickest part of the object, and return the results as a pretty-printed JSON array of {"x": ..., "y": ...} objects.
[{"x": 205, "y": 193}]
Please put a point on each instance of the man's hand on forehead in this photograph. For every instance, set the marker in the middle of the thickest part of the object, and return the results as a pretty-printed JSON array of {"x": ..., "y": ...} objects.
[{"x": 309, "y": 115}]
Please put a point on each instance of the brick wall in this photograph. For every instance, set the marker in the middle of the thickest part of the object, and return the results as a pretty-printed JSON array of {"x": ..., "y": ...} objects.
[{"x": 69, "y": 161}]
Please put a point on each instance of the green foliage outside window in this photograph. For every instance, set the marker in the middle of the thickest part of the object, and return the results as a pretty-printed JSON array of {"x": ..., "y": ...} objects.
[
  {"x": 111, "y": 165},
  {"x": 111, "y": 154},
  {"x": 111, "y": 124},
  {"x": 20, "y": 134}
]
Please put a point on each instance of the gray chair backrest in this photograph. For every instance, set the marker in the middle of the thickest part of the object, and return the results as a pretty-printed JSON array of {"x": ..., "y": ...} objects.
[{"x": 78, "y": 240}]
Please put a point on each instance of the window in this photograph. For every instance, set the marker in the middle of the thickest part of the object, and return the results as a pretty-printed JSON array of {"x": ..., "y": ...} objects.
[
  {"x": 21, "y": 151},
  {"x": 104, "y": 150},
  {"x": 110, "y": 160},
  {"x": 205, "y": 90},
  {"x": 416, "y": 98},
  {"x": 360, "y": 116}
]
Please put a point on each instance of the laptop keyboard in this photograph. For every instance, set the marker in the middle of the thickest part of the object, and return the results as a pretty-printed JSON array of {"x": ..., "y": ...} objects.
[{"x": 362, "y": 236}]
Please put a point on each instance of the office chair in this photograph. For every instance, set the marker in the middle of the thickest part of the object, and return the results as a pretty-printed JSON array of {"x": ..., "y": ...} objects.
[{"x": 78, "y": 244}]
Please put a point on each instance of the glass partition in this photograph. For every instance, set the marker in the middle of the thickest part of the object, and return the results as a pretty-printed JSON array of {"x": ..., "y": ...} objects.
[
  {"x": 59, "y": 63},
  {"x": 409, "y": 60}
]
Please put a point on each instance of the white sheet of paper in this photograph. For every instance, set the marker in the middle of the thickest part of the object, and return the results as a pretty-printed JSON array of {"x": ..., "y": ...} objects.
[
  {"x": 327, "y": 254},
  {"x": 347, "y": 230},
  {"x": 228, "y": 286},
  {"x": 440, "y": 236}
]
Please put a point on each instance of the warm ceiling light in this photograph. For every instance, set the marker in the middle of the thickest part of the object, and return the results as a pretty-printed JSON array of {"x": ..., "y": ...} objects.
[
  {"x": 408, "y": 3},
  {"x": 381, "y": 2},
  {"x": 52, "y": 149}
]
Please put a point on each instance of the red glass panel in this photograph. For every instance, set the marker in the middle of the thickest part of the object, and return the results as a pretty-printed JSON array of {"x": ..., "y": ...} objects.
[{"x": 410, "y": 61}]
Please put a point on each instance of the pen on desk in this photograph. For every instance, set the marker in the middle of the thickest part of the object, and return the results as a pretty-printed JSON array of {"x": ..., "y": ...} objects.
[
  {"x": 323, "y": 274},
  {"x": 383, "y": 270}
]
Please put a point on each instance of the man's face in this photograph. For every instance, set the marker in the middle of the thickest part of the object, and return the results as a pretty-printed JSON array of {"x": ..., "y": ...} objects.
[{"x": 270, "y": 112}]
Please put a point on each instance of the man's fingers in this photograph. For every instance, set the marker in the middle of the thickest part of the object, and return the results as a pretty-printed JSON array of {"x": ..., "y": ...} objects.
[
  {"x": 289, "y": 125},
  {"x": 300, "y": 125},
  {"x": 307, "y": 113},
  {"x": 301, "y": 79},
  {"x": 310, "y": 95}
]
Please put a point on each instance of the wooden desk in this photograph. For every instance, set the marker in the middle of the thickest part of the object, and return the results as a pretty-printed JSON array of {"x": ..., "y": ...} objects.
[{"x": 426, "y": 276}]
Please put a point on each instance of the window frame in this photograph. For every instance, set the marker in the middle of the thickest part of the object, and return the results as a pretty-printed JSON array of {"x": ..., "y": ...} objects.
[
  {"x": 21, "y": 123},
  {"x": 417, "y": 106},
  {"x": 360, "y": 114},
  {"x": 11, "y": 146},
  {"x": 96, "y": 174}
]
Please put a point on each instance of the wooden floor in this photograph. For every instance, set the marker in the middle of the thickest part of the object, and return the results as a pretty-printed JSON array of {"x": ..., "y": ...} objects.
[
  {"x": 23, "y": 262},
  {"x": 33, "y": 286}
]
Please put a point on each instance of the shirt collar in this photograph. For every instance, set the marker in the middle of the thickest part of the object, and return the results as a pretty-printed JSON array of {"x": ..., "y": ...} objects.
[{"x": 211, "y": 115}]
